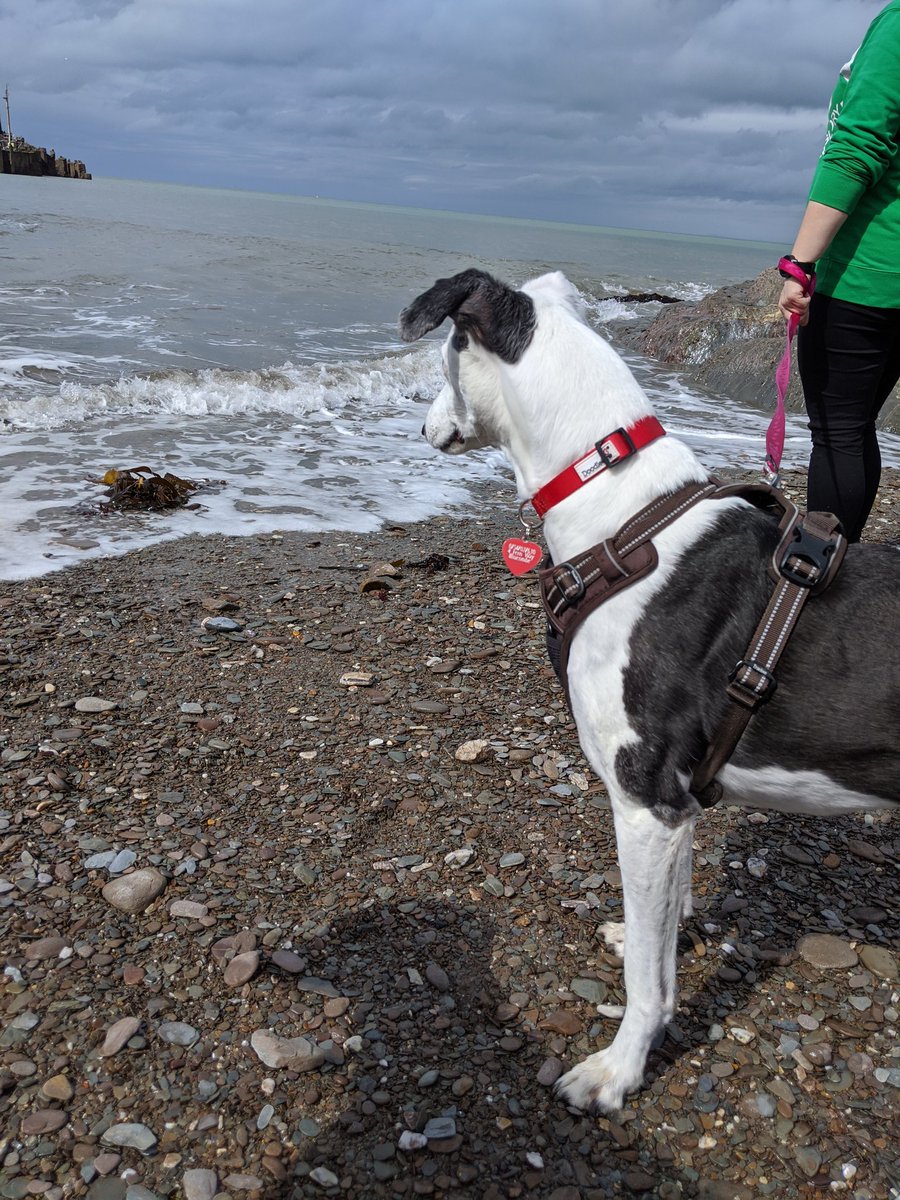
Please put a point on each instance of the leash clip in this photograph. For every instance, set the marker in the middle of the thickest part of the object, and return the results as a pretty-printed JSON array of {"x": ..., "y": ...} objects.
[{"x": 526, "y": 524}]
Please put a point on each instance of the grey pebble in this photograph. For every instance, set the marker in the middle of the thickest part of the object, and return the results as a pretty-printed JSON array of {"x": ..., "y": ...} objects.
[
  {"x": 121, "y": 862},
  {"x": 221, "y": 625},
  {"x": 177, "y": 1033},
  {"x": 199, "y": 1183},
  {"x": 440, "y": 1127},
  {"x": 94, "y": 704},
  {"x": 99, "y": 862},
  {"x": 133, "y": 1135}
]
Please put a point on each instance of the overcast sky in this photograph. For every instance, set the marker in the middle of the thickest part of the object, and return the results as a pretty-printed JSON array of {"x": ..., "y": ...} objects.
[{"x": 680, "y": 115}]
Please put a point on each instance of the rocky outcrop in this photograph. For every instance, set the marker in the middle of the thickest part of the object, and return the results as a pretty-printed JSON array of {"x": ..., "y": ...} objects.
[
  {"x": 22, "y": 159},
  {"x": 730, "y": 343}
]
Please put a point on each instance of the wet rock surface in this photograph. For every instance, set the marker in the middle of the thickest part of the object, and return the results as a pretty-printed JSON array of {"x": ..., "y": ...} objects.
[
  {"x": 370, "y": 958},
  {"x": 729, "y": 343}
]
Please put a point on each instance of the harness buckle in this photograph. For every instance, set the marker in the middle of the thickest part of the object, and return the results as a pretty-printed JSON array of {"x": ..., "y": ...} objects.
[
  {"x": 756, "y": 685},
  {"x": 609, "y": 453},
  {"x": 810, "y": 561},
  {"x": 569, "y": 582}
]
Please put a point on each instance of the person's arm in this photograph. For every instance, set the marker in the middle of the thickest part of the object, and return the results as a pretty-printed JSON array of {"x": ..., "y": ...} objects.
[
  {"x": 819, "y": 225},
  {"x": 863, "y": 141}
]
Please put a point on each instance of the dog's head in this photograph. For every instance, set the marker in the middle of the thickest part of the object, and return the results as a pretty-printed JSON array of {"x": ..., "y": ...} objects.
[{"x": 494, "y": 326}]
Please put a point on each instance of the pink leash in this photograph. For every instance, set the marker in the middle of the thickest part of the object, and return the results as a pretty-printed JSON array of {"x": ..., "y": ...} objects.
[{"x": 775, "y": 432}]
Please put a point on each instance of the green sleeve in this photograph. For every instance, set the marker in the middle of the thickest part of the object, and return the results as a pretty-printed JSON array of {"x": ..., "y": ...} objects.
[{"x": 864, "y": 140}]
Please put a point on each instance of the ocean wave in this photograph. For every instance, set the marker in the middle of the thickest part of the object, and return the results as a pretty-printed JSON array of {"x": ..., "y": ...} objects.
[{"x": 288, "y": 389}]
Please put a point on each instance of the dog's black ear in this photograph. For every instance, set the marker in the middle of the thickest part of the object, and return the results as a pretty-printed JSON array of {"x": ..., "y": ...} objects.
[{"x": 495, "y": 315}]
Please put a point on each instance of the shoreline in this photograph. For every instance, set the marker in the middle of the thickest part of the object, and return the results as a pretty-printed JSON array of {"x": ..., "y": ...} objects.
[
  {"x": 421, "y": 928},
  {"x": 497, "y": 497}
]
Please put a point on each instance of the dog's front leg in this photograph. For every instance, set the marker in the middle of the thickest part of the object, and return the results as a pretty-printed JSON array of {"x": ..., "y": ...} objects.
[
  {"x": 613, "y": 932},
  {"x": 653, "y": 859}
]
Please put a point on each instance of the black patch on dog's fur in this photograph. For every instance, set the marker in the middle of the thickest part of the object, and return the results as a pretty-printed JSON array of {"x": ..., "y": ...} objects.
[
  {"x": 499, "y": 318},
  {"x": 835, "y": 709}
]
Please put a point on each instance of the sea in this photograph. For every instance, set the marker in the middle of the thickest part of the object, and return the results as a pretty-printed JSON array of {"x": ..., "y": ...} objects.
[{"x": 249, "y": 342}]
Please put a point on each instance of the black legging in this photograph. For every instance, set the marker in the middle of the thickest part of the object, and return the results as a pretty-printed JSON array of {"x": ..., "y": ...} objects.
[{"x": 849, "y": 360}]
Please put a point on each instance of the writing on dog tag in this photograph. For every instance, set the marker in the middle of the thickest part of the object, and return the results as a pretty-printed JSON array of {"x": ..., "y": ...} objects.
[{"x": 521, "y": 556}]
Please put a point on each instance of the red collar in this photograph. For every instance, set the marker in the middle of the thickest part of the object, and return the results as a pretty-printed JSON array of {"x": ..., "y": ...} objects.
[{"x": 608, "y": 452}]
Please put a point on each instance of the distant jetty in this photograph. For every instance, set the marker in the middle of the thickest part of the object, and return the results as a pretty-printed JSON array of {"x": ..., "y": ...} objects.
[{"x": 18, "y": 157}]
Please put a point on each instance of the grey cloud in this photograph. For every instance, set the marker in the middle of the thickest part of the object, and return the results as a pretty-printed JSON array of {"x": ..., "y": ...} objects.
[{"x": 687, "y": 114}]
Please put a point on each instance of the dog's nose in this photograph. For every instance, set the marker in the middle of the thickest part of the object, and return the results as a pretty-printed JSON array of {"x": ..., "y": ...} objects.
[{"x": 423, "y": 431}]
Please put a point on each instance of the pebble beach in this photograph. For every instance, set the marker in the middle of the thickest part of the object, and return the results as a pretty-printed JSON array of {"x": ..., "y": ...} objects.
[{"x": 301, "y": 869}]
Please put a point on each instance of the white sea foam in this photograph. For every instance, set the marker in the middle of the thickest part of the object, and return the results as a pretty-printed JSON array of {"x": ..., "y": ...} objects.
[{"x": 288, "y": 389}]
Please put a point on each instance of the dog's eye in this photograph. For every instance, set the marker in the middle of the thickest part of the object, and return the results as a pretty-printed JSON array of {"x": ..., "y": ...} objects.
[{"x": 459, "y": 341}]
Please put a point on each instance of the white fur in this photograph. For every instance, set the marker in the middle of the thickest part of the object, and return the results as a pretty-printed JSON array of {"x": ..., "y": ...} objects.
[
  {"x": 785, "y": 791},
  {"x": 568, "y": 389}
]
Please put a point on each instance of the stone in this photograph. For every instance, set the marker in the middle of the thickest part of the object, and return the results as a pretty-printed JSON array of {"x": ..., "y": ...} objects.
[
  {"x": 550, "y": 1071},
  {"x": 561, "y": 1020},
  {"x": 132, "y": 1135},
  {"x": 177, "y": 1033},
  {"x": 459, "y": 858},
  {"x": 43, "y": 948},
  {"x": 410, "y": 1140},
  {"x": 122, "y": 861},
  {"x": 865, "y": 851},
  {"x": 357, "y": 679},
  {"x": 99, "y": 862},
  {"x": 437, "y": 977},
  {"x": 57, "y": 1087},
  {"x": 135, "y": 892},
  {"x": 118, "y": 1035},
  {"x": 188, "y": 908},
  {"x": 108, "y": 1189},
  {"x": 827, "y": 952},
  {"x": 298, "y": 1053},
  {"x": 473, "y": 751},
  {"x": 106, "y": 1163},
  {"x": 241, "y": 968},
  {"x": 879, "y": 960},
  {"x": 439, "y": 1127},
  {"x": 592, "y": 990},
  {"x": 336, "y": 1007},
  {"x": 199, "y": 1183},
  {"x": 288, "y": 961},
  {"x": 808, "y": 1159},
  {"x": 94, "y": 704},
  {"x": 323, "y": 1177},
  {"x": 43, "y": 1120},
  {"x": 221, "y": 625}
]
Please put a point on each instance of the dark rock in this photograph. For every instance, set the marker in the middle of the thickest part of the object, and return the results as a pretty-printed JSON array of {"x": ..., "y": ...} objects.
[{"x": 730, "y": 343}]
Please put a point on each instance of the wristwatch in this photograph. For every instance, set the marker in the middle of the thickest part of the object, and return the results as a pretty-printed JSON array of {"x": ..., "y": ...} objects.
[{"x": 808, "y": 268}]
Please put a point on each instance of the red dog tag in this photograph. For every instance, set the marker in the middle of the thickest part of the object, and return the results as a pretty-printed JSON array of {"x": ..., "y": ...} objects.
[{"x": 521, "y": 556}]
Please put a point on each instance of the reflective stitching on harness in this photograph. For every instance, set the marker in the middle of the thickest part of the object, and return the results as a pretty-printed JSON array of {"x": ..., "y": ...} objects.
[
  {"x": 797, "y": 602},
  {"x": 671, "y": 516}
]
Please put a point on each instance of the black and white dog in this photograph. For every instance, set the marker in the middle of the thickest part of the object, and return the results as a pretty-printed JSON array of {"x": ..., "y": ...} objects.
[{"x": 647, "y": 670}]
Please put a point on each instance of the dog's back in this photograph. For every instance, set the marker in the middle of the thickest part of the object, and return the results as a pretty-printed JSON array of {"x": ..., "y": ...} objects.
[{"x": 835, "y": 714}]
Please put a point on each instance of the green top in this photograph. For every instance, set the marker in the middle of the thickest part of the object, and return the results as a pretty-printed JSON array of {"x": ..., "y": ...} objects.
[{"x": 859, "y": 171}]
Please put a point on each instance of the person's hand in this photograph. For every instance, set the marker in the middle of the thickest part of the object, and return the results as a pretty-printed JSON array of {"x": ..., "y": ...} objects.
[{"x": 794, "y": 299}]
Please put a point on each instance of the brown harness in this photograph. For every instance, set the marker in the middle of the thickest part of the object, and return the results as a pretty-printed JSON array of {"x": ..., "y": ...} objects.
[{"x": 809, "y": 552}]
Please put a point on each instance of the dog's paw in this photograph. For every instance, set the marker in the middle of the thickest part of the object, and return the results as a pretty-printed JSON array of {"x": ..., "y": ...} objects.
[
  {"x": 613, "y": 933},
  {"x": 599, "y": 1084}
]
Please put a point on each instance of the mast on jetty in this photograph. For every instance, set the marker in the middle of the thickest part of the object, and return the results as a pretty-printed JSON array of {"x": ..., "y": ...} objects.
[{"x": 8, "y": 122}]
